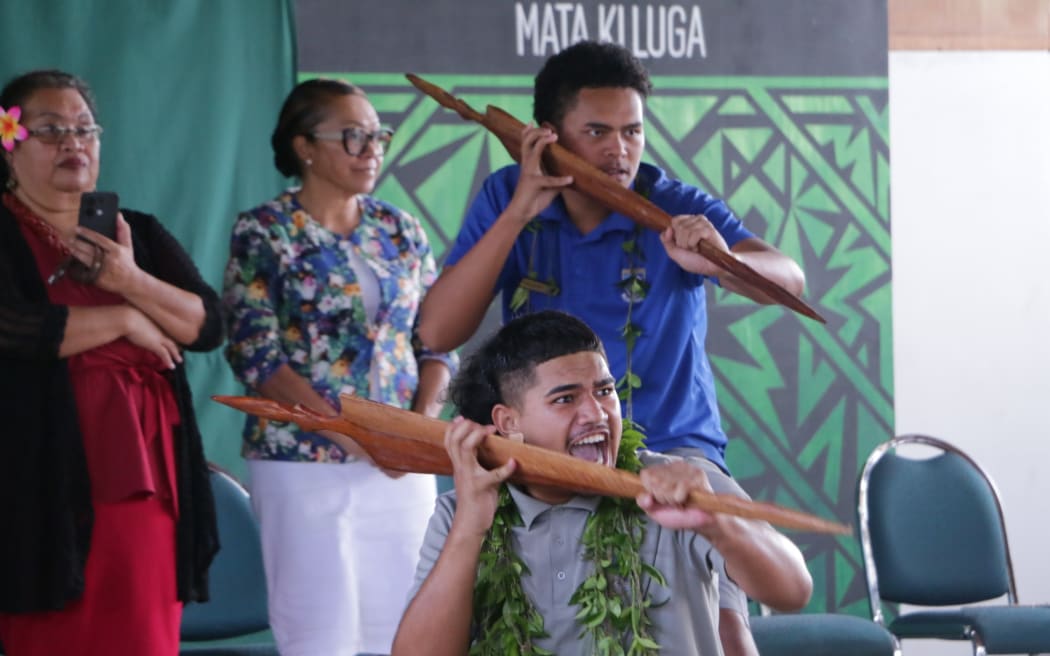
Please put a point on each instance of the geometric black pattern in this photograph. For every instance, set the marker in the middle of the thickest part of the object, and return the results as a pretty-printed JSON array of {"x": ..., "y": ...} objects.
[{"x": 805, "y": 163}]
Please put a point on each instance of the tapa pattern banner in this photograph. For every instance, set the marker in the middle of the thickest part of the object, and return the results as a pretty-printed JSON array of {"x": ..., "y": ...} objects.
[{"x": 798, "y": 149}]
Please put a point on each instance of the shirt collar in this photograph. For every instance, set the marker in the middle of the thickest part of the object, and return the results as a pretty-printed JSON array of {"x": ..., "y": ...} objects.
[
  {"x": 531, "y": 508},
  {"x": 615, "y": 222}
]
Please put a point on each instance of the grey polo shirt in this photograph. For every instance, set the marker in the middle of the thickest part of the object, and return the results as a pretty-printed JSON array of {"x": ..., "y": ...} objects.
[{"x": 684, "y": 614}]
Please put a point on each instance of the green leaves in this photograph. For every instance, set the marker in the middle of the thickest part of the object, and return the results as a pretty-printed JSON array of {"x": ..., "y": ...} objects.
[
  {"x": 508, "y": 622},
  {"x": 519, "y": 299},
  {"x": 612, "y": 602},
  {"x": 635, "y": 288},
  {"x": 611, "y": 599}
]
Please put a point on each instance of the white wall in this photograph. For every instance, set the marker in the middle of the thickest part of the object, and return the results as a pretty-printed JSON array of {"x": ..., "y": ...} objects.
[{"x": 970, "y": 151}]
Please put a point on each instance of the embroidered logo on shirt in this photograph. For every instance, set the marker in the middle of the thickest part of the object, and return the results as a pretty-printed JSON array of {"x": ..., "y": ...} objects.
[{"x": 632, "y": 284}]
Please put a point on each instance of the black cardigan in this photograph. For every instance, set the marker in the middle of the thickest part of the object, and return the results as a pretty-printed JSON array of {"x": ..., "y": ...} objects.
[{"x": 45, "y": 495}]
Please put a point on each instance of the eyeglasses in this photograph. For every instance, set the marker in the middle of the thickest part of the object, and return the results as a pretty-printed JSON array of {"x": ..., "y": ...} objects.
[
  {"x": 356, "y": 139},
  {"x": 53, "y": 134}
]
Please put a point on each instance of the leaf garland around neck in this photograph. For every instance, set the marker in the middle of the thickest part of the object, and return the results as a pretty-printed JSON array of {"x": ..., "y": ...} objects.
[
  {"x": 613, "y": 606},
  {"x": 522, "y": 296}
]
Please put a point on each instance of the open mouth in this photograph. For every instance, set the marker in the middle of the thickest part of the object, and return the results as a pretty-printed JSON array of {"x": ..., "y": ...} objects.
[
  {"x": 593, "y": 447},
  {"x": 622, "y": 176}
]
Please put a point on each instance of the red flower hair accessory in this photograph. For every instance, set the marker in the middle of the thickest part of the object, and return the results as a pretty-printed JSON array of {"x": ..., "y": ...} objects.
[{"x": 10, "y": 130}]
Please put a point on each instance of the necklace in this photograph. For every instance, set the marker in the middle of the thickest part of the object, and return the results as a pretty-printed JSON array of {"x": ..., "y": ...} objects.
[
  {"x": 77, "y": 270},
  {"x": 613, "y": 607},
  {"x": 37, "y": 225}
]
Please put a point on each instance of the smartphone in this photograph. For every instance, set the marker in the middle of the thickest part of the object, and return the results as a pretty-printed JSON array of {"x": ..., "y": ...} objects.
[{"x": 98, "y": 211}]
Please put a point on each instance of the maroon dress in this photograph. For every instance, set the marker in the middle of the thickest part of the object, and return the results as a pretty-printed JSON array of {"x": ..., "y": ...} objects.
[{"x": 126, "y": 410}]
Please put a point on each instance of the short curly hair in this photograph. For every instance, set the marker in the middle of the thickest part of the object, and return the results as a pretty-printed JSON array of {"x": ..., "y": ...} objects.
[
  {"x": 503, "y": 368},
  {"x": 585, "y": 65}
]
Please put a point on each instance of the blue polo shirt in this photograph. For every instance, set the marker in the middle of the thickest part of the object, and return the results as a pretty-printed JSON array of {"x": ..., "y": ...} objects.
[{"x": 676, "y": 402}]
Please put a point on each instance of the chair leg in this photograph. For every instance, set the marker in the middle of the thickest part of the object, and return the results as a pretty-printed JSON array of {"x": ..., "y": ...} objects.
[{"x": 979, "y": 648}]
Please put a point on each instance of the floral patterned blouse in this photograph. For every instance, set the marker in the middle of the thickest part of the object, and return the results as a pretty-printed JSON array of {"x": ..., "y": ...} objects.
[{"x": 292, "y": 297}]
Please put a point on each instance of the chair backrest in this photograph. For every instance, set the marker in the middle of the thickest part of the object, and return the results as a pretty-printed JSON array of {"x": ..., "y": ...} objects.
[
  {"x": 237, "y": 581},
  {"x": 932, "y": 529}
]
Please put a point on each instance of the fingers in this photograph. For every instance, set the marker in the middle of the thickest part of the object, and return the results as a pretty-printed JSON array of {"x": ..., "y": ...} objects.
[
  {"x": 91, "y": 237},
  {"x": 666, "y": 496},
  {"x": 667, "y": 237},
  {"x": 145, "y": 333},
  {"x": 86, "y": 246},
  {"x": 172, "y": 354},
  {"x": 682, "y": 242},
  {"x": 645, "y": 501},
  {"x": 463, "y": 438},
  {"x": 167, "y": 351},
  {"x": 690, "y": 230},
  {"x": 119, "y": 272},
  {"x": 672, "y": 483},
  {"x": 504, "y": 472},
  {"x": 123, "y": 231},
  {"x": 534, "y": 141}
]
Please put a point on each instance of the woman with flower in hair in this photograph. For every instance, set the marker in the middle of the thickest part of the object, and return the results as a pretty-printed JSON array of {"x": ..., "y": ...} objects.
[
  {"x": 322, "y": 290},
  {"x": 105, "y": 506}
]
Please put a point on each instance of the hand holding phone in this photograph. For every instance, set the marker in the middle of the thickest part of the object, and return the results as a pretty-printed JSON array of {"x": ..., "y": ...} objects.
[{"x": 98, "y": 211}]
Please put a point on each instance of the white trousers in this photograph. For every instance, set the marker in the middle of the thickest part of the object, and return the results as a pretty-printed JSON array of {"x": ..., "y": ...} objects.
[{"x": 340, "y": 545}]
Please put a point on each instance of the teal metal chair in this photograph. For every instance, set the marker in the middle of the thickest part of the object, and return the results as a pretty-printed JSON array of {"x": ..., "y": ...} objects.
[
  {"x": 932, "y": 534},
  {"x": 228, "y": 624},
  {"x": 820, "y": 634}
]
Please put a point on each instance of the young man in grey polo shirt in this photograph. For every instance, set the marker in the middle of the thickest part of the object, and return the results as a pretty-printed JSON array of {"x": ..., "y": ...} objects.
[{"x": 544, "y": 378}]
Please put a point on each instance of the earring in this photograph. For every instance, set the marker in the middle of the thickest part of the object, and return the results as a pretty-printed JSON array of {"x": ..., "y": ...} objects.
[
  {"x": 11, "y": 184},
  {"x": 308, "y": 162}
]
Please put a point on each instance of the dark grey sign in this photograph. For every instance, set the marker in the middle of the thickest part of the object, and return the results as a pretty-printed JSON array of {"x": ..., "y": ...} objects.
[{"x": 702, "y": 37}]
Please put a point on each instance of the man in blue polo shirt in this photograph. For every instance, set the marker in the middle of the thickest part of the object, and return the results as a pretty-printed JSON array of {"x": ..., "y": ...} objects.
[{"x": 544, "y": 246}]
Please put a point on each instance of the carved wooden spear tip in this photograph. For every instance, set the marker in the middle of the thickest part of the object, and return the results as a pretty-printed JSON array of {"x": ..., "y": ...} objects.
[
  {"x": 593, "y": 182},
  {"x": 395, "y": 452},
  {"x": 409, "y": 442},
  {"x": 444, "y": 98}
]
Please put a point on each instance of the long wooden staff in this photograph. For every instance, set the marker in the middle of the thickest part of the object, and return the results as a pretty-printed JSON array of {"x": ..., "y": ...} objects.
[
  {"x": 599, "y": 186},
  {"x": 409, "y": 442}
]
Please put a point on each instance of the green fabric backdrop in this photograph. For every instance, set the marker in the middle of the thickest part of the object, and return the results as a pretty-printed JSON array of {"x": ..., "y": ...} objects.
[{"x": 188, "y": 91}]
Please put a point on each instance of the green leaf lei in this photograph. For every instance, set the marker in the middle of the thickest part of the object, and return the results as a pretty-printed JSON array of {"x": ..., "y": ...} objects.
[{"x": 612, "y": 603}]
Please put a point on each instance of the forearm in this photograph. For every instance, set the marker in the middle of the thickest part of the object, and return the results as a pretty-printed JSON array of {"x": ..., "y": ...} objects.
[
  {"x": 444, "y": 604},
  {"x": 456, "y": 303},
  {"x": 765, "y": 564},
  {"x": 179, "y": 313},
  {"x": 89, "y": 327},
  {"x": 430, "y": 392},
  {"x": 287, "y": 387},
  {"x": 769, "y": 262}
]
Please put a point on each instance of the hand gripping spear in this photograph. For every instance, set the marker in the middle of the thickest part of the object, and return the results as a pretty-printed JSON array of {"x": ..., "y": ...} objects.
[
  {"x": 593, "y": 182},
  {"x": 405, "y": 441}
]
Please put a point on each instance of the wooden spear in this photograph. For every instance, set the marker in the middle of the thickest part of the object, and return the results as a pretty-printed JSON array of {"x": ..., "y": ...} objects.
[
  {"x": 595, "y": 183},
  {"x": 409, "y": 442}
]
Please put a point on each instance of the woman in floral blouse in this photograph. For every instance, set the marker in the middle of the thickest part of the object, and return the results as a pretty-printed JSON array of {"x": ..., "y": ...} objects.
[{"x": 322, "y": 290}]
